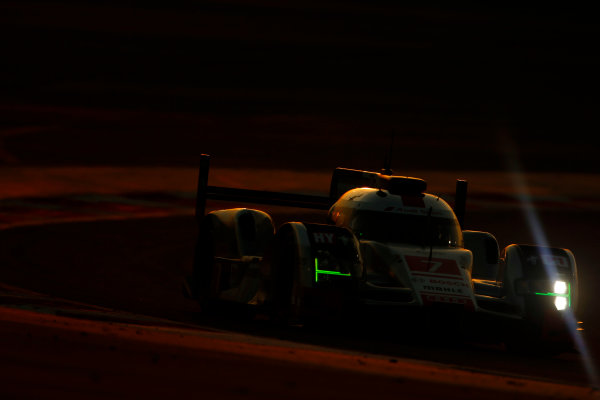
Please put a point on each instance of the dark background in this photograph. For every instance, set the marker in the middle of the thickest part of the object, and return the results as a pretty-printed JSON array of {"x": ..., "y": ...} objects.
[
  {"x": 296, "y": 84},
  {"x": 299, "y": 85}
]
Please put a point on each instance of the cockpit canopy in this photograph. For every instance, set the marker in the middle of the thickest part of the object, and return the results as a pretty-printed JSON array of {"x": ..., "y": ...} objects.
[
  {"x": 406, "y": 229},
  {"x": 416, "y": 220}
]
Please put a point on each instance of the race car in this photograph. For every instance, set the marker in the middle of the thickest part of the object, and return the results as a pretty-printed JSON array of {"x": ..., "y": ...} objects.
[{"x": 386, "y": 248}]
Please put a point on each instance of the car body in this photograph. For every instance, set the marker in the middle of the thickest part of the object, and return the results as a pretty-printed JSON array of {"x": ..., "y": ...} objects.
[{"x": 387, "y": 247}]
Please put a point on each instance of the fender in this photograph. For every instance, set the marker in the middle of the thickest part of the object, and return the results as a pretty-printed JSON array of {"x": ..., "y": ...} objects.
[
  {"x": 314, "y": 265},
  {"x": 230, "y": 256},
  {"x": 531, "y": 274}
]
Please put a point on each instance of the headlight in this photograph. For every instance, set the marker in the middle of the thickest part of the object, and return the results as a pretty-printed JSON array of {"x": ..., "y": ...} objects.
[
  {"x": 560, "y": 290},
  {"x": 561, "y": 303},
  {"x": 560, "y": 287}
]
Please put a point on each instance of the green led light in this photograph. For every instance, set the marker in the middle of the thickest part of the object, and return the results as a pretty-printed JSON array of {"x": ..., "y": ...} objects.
[
  {"x": 552, "y": 294},
  {"x": 567, "y": 295},
  {"x": 326, "y": 272}
]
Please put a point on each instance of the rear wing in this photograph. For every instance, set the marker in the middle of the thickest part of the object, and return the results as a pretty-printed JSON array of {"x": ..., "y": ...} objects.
[
  {"x": 342, "y": 180},
  {"x": 205, "y": 192}
]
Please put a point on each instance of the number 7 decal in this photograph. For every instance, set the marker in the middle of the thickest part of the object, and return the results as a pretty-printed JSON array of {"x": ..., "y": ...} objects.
[{"x": 433, "y": 265}]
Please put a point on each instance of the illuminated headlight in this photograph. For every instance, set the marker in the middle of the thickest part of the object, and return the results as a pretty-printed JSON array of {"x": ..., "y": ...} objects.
[
  {"x": 561, "y": 303},
  {"x": 560, "y": 287},
  {"x": 561, "y": 291}
]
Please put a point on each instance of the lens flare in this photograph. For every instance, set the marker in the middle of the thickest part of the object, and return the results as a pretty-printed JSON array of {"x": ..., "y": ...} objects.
[{"x": 537, "y": 231}]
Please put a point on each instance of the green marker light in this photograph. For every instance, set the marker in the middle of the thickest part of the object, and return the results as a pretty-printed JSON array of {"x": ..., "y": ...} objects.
[
  {"x": 564, "y": 290},
  {"x": 326, "y": 272}
]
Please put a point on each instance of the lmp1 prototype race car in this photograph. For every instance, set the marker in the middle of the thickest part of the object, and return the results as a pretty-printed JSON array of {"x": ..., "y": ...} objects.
[{"x": 387, "y": 245}]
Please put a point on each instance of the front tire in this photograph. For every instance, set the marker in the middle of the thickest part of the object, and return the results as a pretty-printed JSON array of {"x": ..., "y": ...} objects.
[{"x": 287, "y": 291}]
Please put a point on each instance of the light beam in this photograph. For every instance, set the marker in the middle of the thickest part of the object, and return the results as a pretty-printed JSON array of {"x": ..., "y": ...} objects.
[{"x": 537, "y": 231}]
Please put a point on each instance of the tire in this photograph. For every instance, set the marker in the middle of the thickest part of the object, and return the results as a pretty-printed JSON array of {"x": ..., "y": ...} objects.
[
  {"x": 203, "y": 271},
  {"x": 286, "y": 286},
  {"x": 528, "y": 343},
  {"x": 300, "y": 297}
]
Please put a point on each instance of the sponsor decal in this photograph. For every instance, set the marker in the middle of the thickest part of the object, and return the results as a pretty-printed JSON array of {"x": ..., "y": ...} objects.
[
  {"x": 439, "y": 280},
  {"x": 549, "y": 259},
  {"x": 323, "y": 237},
  {"x": 433, "y": 266},
  {"x": 436, "y": 298}
]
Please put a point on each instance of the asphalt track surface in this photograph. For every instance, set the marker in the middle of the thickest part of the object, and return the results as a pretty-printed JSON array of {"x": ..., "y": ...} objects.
[{"x": 98, "y": 287}]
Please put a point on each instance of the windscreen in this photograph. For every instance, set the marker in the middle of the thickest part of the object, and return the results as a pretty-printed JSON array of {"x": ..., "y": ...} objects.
[{"x": 419, "y": 230}]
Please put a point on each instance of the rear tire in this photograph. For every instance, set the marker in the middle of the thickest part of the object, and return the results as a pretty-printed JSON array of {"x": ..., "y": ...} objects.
[{"x": 203, "y": 272}]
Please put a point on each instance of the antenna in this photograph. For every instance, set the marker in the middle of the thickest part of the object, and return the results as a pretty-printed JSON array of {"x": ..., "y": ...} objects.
[{"x": 387, "y": 163}]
